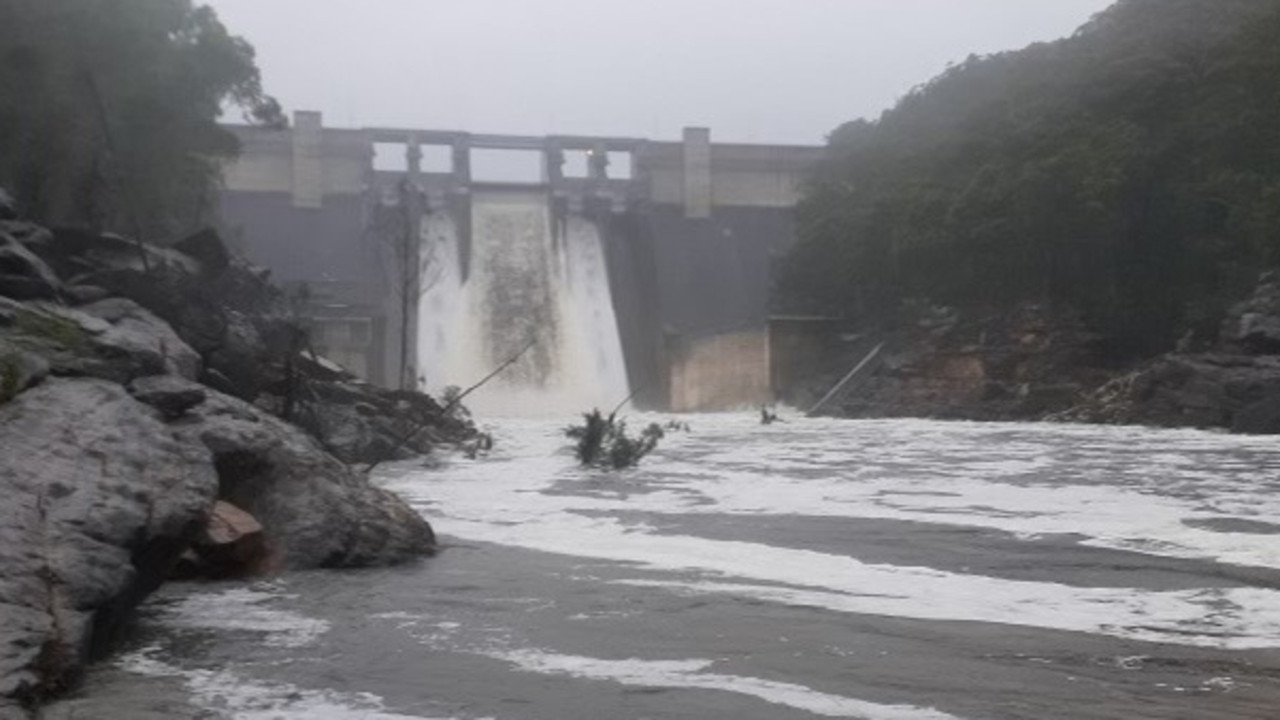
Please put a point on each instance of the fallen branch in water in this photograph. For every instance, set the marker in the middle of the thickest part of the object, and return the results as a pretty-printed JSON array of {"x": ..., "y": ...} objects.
[
  {"x": 457, "y": 400},
  {"x": 454, "y": 403}
]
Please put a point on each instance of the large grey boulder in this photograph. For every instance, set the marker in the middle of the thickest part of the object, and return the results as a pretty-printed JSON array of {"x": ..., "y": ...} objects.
[
  {"x": 315, "y": 511},
  {"x": 100, "y": 499}
]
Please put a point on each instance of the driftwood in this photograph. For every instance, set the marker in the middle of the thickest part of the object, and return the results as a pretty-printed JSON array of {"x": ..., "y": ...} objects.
[
  {"x": 455, "y": 402},
  {"x": 844, "y": 384}
]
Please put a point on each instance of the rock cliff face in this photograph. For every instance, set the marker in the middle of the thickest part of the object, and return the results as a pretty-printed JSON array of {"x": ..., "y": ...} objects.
[
  {"x": 146, "y": 399},
  {"x": 1235, "y": 386},
  {"x": 997, "y": 365}
]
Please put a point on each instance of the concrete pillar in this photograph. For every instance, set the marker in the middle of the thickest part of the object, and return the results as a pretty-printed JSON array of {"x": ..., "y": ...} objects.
[
  {"x": 308, "y": 160},
  {"x": 462, "y": 161},
  {"x": 413, "y": 156},
  {"x": 553, "y": 164},
  {"x": 598, "y": 163},
  {"x": 697, "y": 173}
]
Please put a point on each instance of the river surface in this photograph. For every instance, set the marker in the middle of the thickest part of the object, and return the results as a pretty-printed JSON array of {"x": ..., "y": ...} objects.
[{"x": 889, "y": 570}]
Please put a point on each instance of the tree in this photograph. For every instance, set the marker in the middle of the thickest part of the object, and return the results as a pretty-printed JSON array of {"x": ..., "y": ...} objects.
[
  {"x": 1130, "y": 172},
  {"x": 109, "y": 111},
  {"x": 412, "y": 268}
]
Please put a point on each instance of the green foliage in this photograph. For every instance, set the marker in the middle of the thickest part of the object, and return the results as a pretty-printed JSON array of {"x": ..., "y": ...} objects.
[
  {"x": 603, "y": 442},
  {"x": 109, "y": 108},
  {"x": 1131, "y": 172}
]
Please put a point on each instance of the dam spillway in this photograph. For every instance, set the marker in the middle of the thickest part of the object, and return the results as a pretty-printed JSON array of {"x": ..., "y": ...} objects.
[
  {"x": 529, "y": 283},
  {"x": 688, "y": 230}
]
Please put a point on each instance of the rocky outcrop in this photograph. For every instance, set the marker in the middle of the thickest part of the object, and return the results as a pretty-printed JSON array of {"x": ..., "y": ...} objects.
[
  {"x": 241, "y": 336},
  {"x": 1236, "y": 386},
  {"x": 100, "y": 499},
  {"x": 106, "y": 490},
  {"x": 315, "y": 510},
  {"x": 996, "y": 365},
  {"x": 151, "y": 408},
  {"x": 362, "y": 423}
]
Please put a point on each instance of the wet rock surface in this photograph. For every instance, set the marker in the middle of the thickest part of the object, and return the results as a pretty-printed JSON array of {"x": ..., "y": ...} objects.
[
  {"x": 136, "y": 399},
  {"x": 172, "y": 396},
  {"x": 100, "y": 500},
  {"x": 315, "y": 510}
]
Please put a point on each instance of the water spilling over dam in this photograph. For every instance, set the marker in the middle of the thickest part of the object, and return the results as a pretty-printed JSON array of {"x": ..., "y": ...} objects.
[{"x": 537, "y": 290}]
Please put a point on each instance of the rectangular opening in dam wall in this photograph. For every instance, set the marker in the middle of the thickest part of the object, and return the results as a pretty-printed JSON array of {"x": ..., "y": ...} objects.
[
  {"x": 577, "y": 164},
  {"x": 437, "y": 159},
  {"x": 524, "y": 167},
  {"x": 390, "y": 157},
  {"x": 620, "y": 165}
]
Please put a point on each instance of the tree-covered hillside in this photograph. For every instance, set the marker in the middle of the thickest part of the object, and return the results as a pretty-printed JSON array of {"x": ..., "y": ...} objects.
[
  {"x": 1130, "y": 172},
  {"x": 109, "y": 109}
]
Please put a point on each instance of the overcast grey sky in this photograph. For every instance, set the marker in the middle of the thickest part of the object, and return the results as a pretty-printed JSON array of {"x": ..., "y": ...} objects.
[{"x": 786, "y": 71}]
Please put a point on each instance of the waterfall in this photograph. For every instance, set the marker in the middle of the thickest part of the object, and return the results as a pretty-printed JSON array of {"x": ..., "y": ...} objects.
[{"x": 527, "y": 282}]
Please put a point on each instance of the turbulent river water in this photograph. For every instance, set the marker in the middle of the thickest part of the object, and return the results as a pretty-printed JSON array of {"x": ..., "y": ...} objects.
[{"x": 896, "y": 570}]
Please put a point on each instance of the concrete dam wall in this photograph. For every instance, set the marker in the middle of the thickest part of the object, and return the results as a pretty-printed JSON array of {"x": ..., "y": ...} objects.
[{"x": 629, "y": 266}]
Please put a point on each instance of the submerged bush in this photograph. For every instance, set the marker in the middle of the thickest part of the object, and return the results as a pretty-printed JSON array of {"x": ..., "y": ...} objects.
[{"x": 604, "y": 443}]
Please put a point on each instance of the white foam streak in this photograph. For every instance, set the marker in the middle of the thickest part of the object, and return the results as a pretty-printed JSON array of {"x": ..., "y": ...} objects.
[
  {"x": 238, "y": 698},
  {"x": 242, "y": 609},
  {"x": 692, "y": 675}
]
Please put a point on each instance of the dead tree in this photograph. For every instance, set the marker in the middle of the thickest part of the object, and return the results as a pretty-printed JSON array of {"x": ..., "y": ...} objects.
[{"x": 397, "y": 228}]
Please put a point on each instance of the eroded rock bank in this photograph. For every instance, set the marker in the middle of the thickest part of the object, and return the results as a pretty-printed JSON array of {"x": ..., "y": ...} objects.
[
  {"x": 160, "y": 411},
  {"x": 1234, "y": 385},
  {"x": 1033, "y": 363},
  {"x": 973, "y": 364}
]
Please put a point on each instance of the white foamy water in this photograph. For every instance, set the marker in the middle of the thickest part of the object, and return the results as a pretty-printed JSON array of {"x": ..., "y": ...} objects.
[
  {"x": 693, "y": 675},
  {"x": 531, "y": 278},
  {"x": 1112, "y": 487}
]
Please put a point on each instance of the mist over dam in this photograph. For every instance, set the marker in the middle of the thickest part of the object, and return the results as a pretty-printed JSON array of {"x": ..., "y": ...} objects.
[{"x": 607, "y": 267}]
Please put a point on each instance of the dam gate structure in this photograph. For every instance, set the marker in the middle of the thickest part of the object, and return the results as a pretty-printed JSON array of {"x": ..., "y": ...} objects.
[{"x": 608, "y": 267}]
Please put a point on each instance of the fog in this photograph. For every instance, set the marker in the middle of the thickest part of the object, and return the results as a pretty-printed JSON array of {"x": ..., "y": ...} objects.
[{"x": 778, "y": 71}]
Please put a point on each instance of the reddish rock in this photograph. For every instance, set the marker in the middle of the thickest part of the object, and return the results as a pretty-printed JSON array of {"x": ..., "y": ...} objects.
[{"x": 232, "y": 544}]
